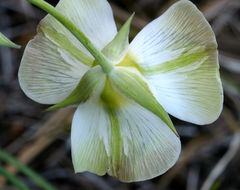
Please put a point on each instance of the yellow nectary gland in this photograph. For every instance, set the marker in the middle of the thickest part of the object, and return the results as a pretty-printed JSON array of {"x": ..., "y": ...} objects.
[
  {"x": 129, "y": 61},
  {"x": 95, "y": 63},
  {"x": 110, "y": 98}
]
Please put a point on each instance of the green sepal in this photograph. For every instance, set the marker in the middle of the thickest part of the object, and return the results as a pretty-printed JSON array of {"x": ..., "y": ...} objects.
[
  {"x": 115, "y": 50},
  {"x": 130, "y": 83},
  {"x": 89, "y": 82},
  {"x": 4, "y": 41}
]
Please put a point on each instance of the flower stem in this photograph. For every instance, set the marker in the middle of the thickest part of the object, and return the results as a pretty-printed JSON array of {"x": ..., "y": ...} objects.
[{"x": 97, "y": 54}]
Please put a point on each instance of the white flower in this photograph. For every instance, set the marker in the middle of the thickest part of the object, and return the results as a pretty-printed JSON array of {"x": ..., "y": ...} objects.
[{"x": 120, "y": 126}]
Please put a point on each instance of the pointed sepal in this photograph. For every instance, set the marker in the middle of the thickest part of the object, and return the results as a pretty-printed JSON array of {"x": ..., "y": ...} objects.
[
  {"x": 130, "y": 83},
  {"x": 4, "y": 41},
  {"x": 93, "y": 79},
  {"x": 117, "y": 48}
]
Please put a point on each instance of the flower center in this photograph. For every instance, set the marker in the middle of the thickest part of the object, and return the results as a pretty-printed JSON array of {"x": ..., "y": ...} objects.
[
  {"x": 110, "y": 98},
  {"x": 129, "y": 61}
]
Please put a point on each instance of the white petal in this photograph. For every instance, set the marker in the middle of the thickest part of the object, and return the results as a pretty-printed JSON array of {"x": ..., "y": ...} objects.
[
  {"x": 150, "y": 147},
  {"x": 178, "y": 55},
  {"x": 181, "y": 28},
  {"x": 55, "y": 61},
  {"x": 89, "y": 137},
  {"x": 93, "y": 17},
  {"x": 48, "y": 74},
  {"x": 129, "y": 143}
]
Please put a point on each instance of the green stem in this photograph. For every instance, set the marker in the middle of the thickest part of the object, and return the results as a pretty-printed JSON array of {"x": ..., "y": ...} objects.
[
  {"x": 27, "y": 171},
  {"x": 16, "y": 182},
  {"x": 98, "y": 55}
]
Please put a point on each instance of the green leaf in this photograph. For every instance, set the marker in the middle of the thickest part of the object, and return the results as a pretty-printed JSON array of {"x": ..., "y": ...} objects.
[
  {"x": 130, "y": 83},
  {"x": 117, "y": 48},
  {"x": 4, "y": 41},
  {"x": 26, "y": 170},
  {"x": 89, "y": 82},
  {"x": 12, "y": 179}
]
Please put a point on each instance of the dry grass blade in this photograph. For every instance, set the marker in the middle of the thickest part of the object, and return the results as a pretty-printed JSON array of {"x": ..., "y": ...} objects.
[
  {"x": 44, "y": 137},
  {"x": 222, "y": 164}
]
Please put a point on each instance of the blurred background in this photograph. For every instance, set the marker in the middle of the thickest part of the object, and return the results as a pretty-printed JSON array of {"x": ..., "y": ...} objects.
[{"x": 210, "y": 157}]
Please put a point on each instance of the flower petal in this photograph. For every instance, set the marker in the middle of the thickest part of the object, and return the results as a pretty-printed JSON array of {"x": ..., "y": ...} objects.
[
  {"x": 148, "y": 147},
  {"x": 89, "y": 138},
  {"x": 125, "y": 139},
  {"x": 93, "y": 17},
  {"x": 131, "y": 143},
  {"x": 55, "y": 61},
  {"x": 178, "y": 55},
  {"x": 48, "y": 74}
]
